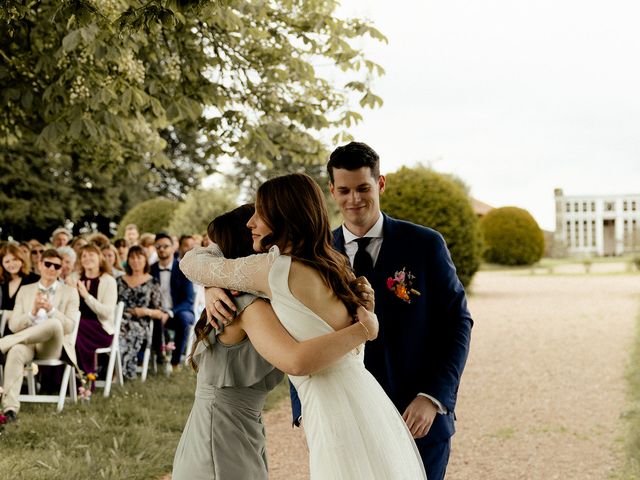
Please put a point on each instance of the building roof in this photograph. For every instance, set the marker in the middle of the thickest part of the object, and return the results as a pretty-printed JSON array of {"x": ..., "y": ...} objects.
[{"x": 480, "y": 208}]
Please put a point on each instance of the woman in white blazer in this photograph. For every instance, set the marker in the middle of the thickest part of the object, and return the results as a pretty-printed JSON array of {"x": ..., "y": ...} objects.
[{"x": 98, "y": 297}]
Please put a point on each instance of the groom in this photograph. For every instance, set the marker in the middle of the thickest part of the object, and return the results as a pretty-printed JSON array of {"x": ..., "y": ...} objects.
[{"x": 425, "y": 327}]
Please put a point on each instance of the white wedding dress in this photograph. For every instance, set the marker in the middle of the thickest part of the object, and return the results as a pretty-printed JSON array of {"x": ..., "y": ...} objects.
[{"x": 353, "y": 429}]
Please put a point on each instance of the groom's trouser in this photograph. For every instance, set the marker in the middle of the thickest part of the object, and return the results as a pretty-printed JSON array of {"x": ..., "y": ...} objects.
[{"x": 435, "y": 457}]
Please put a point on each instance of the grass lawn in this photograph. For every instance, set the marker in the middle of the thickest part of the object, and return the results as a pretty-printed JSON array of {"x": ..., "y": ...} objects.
[
  {"x": 632, "y": 416},
  {"x": 131, "y": 435}
]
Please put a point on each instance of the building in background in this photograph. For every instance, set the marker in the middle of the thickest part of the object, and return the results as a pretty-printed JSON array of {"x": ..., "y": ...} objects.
[{"x": 601, "y": 225}]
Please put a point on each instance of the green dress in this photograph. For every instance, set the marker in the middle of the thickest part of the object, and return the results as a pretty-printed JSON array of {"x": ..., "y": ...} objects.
[{"x": 224, "y": 438}]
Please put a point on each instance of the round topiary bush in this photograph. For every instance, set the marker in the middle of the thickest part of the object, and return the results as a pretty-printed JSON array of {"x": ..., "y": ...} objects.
[
  {"x": 512, "y": 237},
  {"x": 151, "y": 216},
  {"x": 423, "y": 196}
]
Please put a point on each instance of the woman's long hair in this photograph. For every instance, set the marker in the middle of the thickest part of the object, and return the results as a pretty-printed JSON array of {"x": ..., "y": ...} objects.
[
  {"x": 294, "y": 208},
  {"x": 229, "y": 231}
]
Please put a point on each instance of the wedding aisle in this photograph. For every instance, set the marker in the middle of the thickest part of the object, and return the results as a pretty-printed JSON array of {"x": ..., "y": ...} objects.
[{"x": 544, "y": 388}]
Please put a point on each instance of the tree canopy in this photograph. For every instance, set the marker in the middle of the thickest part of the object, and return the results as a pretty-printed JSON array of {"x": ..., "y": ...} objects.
[{"x": 105, "y": 104}]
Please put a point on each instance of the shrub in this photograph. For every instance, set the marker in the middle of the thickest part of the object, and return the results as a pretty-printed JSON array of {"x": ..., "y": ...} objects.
[
  {"x": 423, "y": 196},
  {"x": 150, "y": 216},
  {"x": 512, "y": 237},
  {"x": 199, "y": 208}
]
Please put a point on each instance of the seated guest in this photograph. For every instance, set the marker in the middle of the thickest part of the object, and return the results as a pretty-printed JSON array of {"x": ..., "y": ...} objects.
[
  {"x": 100, "y": 239},
  {"x": 78, "y": 243},
  {"x": 60, "y": 237},
  {"x": 15, "y": 273},
  {"x": 122, "y": 248},
  {"x": 186, "y": 243},
  {"x": 26, "y": 249},
  {"x": 113, "y": 259},
  {"x": 142, "y": 299},
  {"x": 43, "y": 317},
  {"x": 178, "y": 296},
  {"x": 68, "y": 255},
  {"x": 147, "y": 241},
  {"x": 36, "y": 254},
  {"x": 98, "y": 297},
  {"x": 131, "y": 235}
]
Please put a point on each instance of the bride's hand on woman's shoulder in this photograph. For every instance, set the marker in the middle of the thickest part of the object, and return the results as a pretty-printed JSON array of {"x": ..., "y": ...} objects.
[
  {"x": 365, "y": 293},
  {"x": 369, "y": 321}
]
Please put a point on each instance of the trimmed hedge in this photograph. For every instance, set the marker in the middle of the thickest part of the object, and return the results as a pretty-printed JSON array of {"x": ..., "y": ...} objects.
[
  {"x": 151, "y": 216},
  {"x": 199, "y": 208},
  {"x": 512, "y": 236},
  {"x": 425, "y": 197}
]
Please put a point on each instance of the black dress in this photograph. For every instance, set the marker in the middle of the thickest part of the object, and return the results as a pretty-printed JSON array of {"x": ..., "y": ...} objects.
[{"x": 8, "y": 302}]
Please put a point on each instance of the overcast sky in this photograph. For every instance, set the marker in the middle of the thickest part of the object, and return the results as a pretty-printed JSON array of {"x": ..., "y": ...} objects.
[{"x": 517, "y": 97}]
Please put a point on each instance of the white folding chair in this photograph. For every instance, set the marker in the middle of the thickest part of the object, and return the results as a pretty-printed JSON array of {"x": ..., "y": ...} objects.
[
  {"x": 144, "y": 368},
  {"x": 68, "y": 378},
  {"x": 115, "y": 362}
]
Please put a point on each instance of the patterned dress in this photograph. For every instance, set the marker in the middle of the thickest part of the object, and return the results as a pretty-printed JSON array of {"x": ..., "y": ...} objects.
[{"x": 133, "y": 331}]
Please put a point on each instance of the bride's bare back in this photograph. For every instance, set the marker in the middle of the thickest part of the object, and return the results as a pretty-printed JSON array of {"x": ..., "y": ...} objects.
[{"x": 307, "y": 286}]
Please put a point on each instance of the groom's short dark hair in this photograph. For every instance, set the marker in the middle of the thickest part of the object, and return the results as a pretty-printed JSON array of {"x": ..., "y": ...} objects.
[{"x": 353, "y": 156}]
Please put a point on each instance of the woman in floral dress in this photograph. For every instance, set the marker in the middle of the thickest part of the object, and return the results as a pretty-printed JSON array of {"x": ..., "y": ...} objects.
[{"x": 142, "y": 299}]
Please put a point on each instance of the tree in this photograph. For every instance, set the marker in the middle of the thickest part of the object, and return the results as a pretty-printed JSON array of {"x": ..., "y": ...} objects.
[
  {"x": 423, "y": 196},
  {"x": 151, "y": 216},
  {"x": 512, "y": 236},
  {"x": 107, "y": 95},
  {"x": 199, "y": 208}
]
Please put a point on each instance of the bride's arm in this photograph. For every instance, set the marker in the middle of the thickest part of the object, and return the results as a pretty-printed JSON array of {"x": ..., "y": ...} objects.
[
  {"x": 207, "y": 266},
  {"x": 274, "y": 343}
]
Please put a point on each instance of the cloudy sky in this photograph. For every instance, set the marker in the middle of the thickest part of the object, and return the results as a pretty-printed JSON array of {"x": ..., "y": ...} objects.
[{"x": 517, "y": 97}]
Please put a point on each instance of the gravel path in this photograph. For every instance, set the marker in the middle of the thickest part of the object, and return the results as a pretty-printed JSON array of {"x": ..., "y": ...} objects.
[{"x": 544, "y": 386}]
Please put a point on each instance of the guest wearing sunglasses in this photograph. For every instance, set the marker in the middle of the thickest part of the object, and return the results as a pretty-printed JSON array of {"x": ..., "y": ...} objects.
[{"x": 43, "y": 317}]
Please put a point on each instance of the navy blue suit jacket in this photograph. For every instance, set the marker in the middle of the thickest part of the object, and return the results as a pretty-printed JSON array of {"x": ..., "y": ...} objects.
[
  {"x": 182, "y": 293},
  {"x": 422, "y": 346}
]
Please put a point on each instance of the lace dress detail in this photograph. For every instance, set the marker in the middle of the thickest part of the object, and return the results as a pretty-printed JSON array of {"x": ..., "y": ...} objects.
[{"x": 207, "y": 266}]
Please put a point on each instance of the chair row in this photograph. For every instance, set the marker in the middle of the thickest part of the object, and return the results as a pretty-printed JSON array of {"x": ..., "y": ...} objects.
[{"x": 68, "y": 385}]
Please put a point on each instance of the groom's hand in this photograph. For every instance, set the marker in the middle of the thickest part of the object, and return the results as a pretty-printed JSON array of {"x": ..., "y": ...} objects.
[{"x": 419, "y": 416}]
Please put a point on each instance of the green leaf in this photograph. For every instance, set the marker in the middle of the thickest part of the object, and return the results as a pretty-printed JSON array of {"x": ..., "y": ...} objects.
[{"x": 71, "y": 41}]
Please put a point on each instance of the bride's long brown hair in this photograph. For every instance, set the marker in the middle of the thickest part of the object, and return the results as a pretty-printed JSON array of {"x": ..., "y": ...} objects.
[
  {"x": 229, "y": 231},
  {"x": 294, "y": 208}
]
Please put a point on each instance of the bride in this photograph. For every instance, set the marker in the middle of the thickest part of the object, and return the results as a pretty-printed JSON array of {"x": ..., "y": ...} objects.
[{"x": 353, "y": 430}]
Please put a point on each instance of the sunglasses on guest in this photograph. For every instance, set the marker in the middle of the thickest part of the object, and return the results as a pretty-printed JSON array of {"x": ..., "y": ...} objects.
[
  {"x": 37, "y": 251},
  {"x": 57, "y": 266}
]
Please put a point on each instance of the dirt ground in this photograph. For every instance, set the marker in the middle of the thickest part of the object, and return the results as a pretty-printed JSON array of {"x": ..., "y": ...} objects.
[{"x": 544, "y": 389}]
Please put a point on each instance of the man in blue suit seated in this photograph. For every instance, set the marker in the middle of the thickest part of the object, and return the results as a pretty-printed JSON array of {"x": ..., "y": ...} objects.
[
  {"x": 425, "y": 326},
  {"x": 178, "y": 295}
]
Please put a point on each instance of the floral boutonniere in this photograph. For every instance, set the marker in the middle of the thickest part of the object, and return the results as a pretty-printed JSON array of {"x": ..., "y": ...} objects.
[{"x": 400, "y": 284}]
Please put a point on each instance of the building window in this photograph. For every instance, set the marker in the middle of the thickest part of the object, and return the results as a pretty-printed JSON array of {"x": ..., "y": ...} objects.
[
  {"x": 577, "y": 233},
  {"x": 609, "y": 206},
  {"x": 576, "y": 207},
  {"x": 624, "y": 206},
  {"x": 585, "y": 232},
  {"x": 569, "y": 233},
  {"x": 633, "y": 206},
  {"x": 584, "y": 207},
  {"x": 593, "y": 206},
  {"x": 593, "y": 233},
  {"x": 568, "y": 207}
]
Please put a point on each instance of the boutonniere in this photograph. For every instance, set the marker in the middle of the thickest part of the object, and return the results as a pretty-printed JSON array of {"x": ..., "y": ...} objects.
[{"x": 400, "y": 285}]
